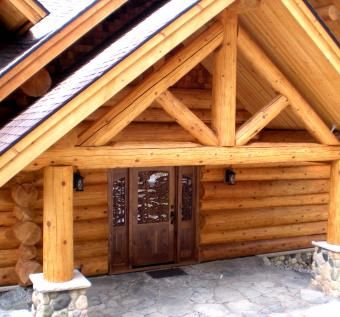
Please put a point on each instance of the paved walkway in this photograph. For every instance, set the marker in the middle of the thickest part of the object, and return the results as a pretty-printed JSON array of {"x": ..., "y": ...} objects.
[{"x": 232, "y": 288}]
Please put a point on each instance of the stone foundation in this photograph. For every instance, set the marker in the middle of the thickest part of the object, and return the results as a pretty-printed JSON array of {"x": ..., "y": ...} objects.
[
  {"x": 59, "y": 299},
  {"x": 326, "y": 268}
]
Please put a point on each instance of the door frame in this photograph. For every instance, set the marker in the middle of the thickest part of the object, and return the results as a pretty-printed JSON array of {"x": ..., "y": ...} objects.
[{"x": 195, "y": 216}]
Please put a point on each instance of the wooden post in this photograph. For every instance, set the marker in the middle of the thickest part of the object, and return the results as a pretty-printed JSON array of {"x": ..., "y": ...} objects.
[
  {"x": 224, "y": 81},
  {"x": 58, "y": 224},
  {"x": 333, "y": 233}
]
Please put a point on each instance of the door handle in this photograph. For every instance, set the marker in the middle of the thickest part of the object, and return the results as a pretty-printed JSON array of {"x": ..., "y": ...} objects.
[{"x": 172, "y": 217}]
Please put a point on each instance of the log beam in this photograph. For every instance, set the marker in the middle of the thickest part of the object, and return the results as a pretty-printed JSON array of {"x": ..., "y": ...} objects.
[
  {"x": 260, "y": 62},
  {"x": 77, "y": 109},
  {"x": 110, "y": 157},
  {"x": 186, "y": 118},
  {"x": 224, "y": 80},
  {"x": 260, "y": 119},
  {"x": 329, "y": 12},
  {"x": 140, "y": 98},
  {"x": 58, "y": 224},
  {"x": 333, "y": 233}
]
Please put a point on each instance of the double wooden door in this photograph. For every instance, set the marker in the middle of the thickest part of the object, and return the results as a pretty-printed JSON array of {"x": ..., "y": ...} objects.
[{"x": 152, "y": 217}]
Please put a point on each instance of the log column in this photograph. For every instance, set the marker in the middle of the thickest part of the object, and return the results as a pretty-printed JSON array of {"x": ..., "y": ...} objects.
[
  {"x": 333, "y": 233},
  {"x": 59, "y": 283},
  {"x": 326, "y": 264},
  {"x": 58, "y": 224}
]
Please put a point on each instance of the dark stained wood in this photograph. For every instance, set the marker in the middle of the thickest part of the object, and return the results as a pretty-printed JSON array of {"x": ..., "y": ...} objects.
[
  {"x": 187, "y": 207},
  {"x": 136, "y": 242},
  {"x": 118, "y": 197},
  {"x": 152, "y": 215}
]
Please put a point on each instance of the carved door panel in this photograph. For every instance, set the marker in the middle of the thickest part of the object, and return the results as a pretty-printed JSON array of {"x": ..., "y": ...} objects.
[
  {"x": 118, "y": 215},
  {"x": 152, "y": 216},
  {"x": 186, "y": 223}
]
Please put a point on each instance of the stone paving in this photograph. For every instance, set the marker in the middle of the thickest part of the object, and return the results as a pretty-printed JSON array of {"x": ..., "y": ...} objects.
[{"x": 231, "y": 288}]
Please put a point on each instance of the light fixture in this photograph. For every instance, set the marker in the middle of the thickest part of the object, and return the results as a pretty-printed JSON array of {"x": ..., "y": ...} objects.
[
  {"x": 78, "y": 182},
  {"x": 230, "y": 176}
]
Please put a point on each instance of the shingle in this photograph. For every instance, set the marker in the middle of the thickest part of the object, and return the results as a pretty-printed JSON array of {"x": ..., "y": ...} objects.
[{"x": 90, "y": 72}]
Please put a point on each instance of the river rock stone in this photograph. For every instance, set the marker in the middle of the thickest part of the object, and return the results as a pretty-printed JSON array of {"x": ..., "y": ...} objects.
[
  {"x": 61, "y": 301},
  {"x": 81, "y": 302}
]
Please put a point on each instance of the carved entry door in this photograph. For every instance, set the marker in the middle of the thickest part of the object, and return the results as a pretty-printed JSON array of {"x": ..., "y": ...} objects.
[{"x": 152, "y": 216}]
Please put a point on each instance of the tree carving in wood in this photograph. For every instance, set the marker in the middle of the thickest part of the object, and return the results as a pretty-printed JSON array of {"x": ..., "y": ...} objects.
[
  {"x": 119, "y": 203},
  {"x": 153, "y": 197},
  {"x": 187, "y": 197}
]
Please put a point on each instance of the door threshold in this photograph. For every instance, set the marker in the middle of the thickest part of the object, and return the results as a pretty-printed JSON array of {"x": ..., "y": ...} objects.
[{"x": 152, "y": 268}]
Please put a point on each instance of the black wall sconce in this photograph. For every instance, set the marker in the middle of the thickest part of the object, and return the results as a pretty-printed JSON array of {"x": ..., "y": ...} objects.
[
  {"x": 78, "y": 182},
  {"x": 229, "y": 176}
]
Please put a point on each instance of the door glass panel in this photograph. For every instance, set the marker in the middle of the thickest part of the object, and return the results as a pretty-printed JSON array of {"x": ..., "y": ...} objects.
[
  {"x": 153, "y": 197},
  {"x": 119, "y": 202},
  {"x": 187, "y": 197}
]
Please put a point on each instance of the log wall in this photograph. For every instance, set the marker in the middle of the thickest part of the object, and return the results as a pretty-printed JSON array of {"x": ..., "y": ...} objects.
[
  {"x": 269, "y": 209},
  {"x": 8, "y": 243},
  {"x": 90, "y": 225}
]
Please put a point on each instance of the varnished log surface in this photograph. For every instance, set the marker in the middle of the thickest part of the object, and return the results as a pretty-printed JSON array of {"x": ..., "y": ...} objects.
[{"x": 269, "y": 209}]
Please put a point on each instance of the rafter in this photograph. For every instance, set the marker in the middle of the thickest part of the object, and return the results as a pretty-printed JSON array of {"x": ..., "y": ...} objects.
[
  {"x": 224, "y": 80},
  {"x": 103, "y": 130},
  {"x": 260, "y": 119},
  {"x": 266, "y": 68},
  {"x": 186, "y": 118},
  {"x": 90, "y": 99}
]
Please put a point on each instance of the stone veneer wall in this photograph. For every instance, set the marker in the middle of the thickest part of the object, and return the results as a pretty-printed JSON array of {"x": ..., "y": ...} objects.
[
  {"x": 326, "y": 271},
  {"x": 60, "y": 304}
]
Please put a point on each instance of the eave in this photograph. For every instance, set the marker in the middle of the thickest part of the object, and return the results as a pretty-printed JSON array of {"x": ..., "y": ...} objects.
[{"x": 42, "y": 54}]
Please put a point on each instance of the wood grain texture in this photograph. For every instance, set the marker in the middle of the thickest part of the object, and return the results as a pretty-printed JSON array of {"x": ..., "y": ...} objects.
[
  {"x": 333, "y": 235},
  {"x": 260, "y": 120},
  {"x": 58, "y": 224},
  {"x": 187, "y": 119},
  {"x": 145, "y": 93},
  {"x": 266, "y": 68},
  {"x": 224, "y": 80}
]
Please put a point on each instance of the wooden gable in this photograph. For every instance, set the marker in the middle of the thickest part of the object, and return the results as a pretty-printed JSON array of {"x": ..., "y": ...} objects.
[{"x": 96, "y": 88}]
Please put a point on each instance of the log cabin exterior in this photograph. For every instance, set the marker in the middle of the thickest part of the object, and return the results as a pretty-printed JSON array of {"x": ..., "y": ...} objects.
[{"x": 152, "y": 102}]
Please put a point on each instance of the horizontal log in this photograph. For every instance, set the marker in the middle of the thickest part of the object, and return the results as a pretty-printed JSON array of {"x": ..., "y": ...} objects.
[
  {"x": 233, "y": 250},
  {"x": 288, "y": 136},
  {"x": 24, "y": 268},
  {"x": 265, "y": 217},
  {"x": 210, "y": 206},
  {"x": 140, "y": 132},
  {"x": 218, "y": 190},
  {"x": 93, "y": 265},
  {"x": 8, "y": 257},
  {"x": 159, "y": 115},
  {"x": 94, "y": 177},
  {"x": 26, "y": 252},
  {"x": 7, "y": 239},
  {"x": 6, "y": 201},
  {"x": 24, "y": 195},
  {"x": 8, "y": 276},
  {"x": 107, "y": 157},
  {"x": 264, "y": 233},
  {"x": 211, "y": 174},
  {"x": 7, "y": 219},
  {"x": 93, "y": 195},
  {"x": 90, "y": 230},
  {"x": 27, "y": 232},
  {"x": 85, "y": 249},
  {"x": 81, "y": 213}
]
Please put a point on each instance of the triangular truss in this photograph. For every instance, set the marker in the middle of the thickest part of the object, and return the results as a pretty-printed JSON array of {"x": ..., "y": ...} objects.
[{"x": 223, "y": 38}]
